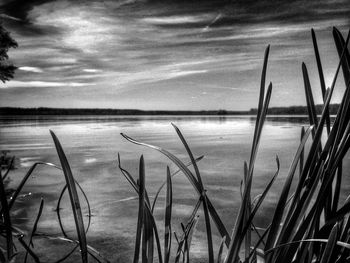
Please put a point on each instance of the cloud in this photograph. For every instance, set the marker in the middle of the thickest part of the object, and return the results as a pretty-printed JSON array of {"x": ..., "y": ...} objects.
[
  {"x": 91, "y": 70},
  {"x": 178, "y": 19},
  {"x": 31, "y": 69},
  {"x": 37, "y": 84}
]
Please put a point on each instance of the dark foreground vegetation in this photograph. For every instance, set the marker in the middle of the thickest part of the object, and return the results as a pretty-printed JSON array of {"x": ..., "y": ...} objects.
[{"x": 308, "y": 224}]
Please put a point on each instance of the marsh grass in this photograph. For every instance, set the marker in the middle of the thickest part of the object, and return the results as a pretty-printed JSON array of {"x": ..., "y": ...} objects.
[{"x": 309, "y": 224}]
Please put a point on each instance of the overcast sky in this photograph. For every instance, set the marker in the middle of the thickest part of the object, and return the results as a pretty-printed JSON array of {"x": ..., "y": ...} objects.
[{"x": 173, "y": 55}]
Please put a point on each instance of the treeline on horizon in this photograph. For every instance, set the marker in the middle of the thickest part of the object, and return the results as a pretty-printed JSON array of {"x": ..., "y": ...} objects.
[{"x": 292, "y": 110}]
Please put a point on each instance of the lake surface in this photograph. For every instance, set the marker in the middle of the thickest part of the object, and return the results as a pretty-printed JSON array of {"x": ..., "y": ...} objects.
[{"x": 92, "y": 144}]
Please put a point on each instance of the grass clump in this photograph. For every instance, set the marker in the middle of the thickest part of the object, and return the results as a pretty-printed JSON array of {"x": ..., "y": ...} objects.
[{"x": 308, "y": 224}]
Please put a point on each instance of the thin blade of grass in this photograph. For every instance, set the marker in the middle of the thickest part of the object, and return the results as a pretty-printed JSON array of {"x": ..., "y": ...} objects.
[
  {"x": 205, "y": 204},
  {"x": 321, "y": 76},
  {"x": 128, "y": 176},
  {"x": 340, "y": 44},
  {"x": 301, "y": 160},
  {"x": 337, "y": 187},
  {"x": 309, "y": 99},
  {"x": 165, "y": 182},
  {"x": 338, "y": 243},
  {"x": 167, "y": 221},
  {"x": 74, "y": 199},
  {"x": 141, "y": 210},
  {"x": 58, "y": 208}
]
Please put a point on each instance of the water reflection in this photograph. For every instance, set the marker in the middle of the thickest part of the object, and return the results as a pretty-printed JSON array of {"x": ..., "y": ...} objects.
[
  {"x": 43, "y": 120},
  {"x": 92, "y": 143}
]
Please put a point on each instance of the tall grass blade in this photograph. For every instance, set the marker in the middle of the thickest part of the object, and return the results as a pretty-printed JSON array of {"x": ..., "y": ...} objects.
[
  {"x": 141, "y": 209},
  {"x": 341, "y": 45},
  {"x": 168, "y": 210},
  {"x": 262, "y": 83},
  {"x": 301, "y": 160},
  {"x": 74, "y": 199},
  {"x": 309, "y": 98},
  {"x": 201, "y": 186},
  {"x": 321, "y": 76}
]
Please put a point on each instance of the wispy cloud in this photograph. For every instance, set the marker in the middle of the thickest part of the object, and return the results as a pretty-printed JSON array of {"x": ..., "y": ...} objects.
[
  {"x": 37, "y": 84},
  {"x": 31, "y": 69}
]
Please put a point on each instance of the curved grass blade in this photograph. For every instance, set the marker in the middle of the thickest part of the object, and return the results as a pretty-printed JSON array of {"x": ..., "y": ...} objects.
[
  {"x": 205, "y": 204},
  {"x": 78, "y": 218},
  {"x": 58, "y": 208},
  {"x": 319, "y": 240},
  {"x": 128, "y": 176}
]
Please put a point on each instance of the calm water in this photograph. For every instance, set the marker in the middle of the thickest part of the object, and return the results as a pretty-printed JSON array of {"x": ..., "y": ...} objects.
[{"x": 92, "y": 144}]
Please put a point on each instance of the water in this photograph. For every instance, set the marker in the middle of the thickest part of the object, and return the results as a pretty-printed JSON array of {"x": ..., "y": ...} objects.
[{"x": 92, "y": 145}]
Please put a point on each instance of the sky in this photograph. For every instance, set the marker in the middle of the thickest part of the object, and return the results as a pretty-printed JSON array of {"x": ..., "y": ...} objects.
[{"x": 167, "y": 55}]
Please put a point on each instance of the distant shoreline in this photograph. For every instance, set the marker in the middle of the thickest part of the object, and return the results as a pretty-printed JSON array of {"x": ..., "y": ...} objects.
[{"x": 292, "y": 110}]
